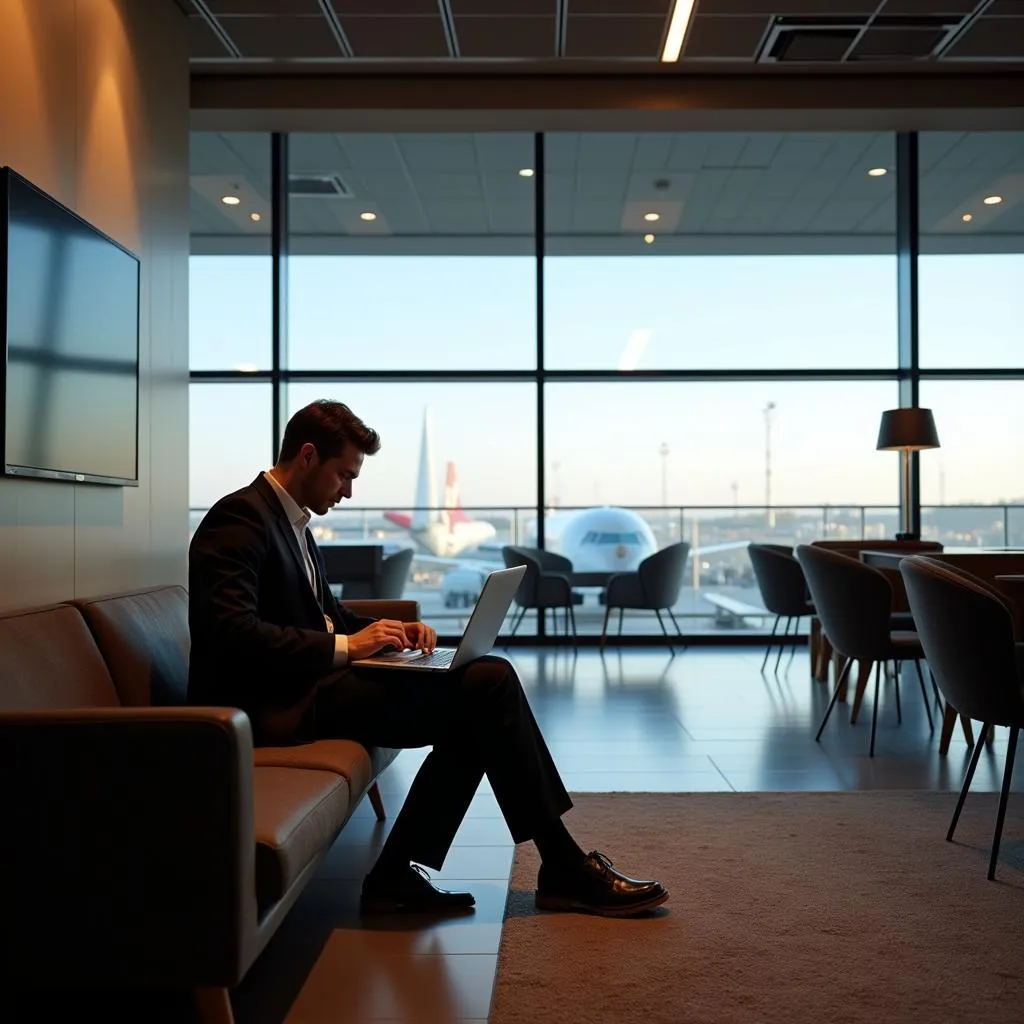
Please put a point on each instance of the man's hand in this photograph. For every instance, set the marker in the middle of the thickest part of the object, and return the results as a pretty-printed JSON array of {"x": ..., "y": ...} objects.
[
  {"x": 384, "y": 634},
  {"x": 420, "y": 637}
]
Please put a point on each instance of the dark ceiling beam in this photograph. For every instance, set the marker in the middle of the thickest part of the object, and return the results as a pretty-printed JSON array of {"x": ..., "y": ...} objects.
[{"x": 758, "y": 101}]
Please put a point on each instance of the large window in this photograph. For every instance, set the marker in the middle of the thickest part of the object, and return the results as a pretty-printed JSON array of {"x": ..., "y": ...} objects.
[
  {"x": 726, "y": 251},
  {"x": 411, "y": 252},
  {"x": 705, "y": 363},
  {"x": 972, "y": 249}
]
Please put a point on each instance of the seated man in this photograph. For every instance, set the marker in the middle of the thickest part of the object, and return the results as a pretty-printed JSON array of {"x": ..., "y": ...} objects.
[{"x": 269, "y": 637}]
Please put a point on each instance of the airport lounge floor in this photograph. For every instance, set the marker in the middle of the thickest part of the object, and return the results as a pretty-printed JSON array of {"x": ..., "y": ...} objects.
[{"x": 638, "y": 720}]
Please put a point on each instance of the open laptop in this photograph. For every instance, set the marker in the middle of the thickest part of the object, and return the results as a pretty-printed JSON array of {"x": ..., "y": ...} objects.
[{"x": 481, "y": 630}]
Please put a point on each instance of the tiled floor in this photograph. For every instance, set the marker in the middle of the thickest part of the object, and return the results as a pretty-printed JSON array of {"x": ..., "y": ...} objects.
[{"x": 638, "y": 720}]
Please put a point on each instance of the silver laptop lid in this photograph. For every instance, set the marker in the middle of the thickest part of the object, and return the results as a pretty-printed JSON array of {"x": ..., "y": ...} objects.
[{"x": 488, "y": 615}]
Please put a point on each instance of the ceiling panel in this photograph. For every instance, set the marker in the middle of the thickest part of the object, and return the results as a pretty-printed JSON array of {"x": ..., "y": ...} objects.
[
  {"x": 737, "y": 38},
  {"x": 203, "y": 42},
  {"x": 292, "y": 38},
  {"x": 381, "y": 37},
  {"x": 385, "y": 7},
  {"x": 500, "y": 8},
  {"x": 991, "y": 38},
  {"x": 521, "y": 37},
  {"x": 614, "y": 36},
  {"x": 282, "y": 8}
]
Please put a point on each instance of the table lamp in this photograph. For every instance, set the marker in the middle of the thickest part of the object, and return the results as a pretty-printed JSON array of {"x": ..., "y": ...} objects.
[{"x": 906, "y": 431}]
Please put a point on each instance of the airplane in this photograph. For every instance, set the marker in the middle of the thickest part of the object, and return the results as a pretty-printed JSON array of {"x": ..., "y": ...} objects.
[{"x": 442, "y": 532}]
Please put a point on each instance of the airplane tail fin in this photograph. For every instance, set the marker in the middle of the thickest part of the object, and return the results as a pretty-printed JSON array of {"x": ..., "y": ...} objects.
[
  {"x": 426, "y": 487},
  {"x": 453, "y": 511}
]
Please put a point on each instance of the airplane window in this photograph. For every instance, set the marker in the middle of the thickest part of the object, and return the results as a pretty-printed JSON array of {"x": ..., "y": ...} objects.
[{"x": 619, "y": 538}]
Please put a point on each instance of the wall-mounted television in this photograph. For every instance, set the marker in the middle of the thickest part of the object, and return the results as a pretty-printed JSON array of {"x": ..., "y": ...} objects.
[{"x": 69, "y": 310}]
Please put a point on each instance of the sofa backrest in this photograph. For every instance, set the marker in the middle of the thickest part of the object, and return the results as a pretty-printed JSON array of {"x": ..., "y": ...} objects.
[
  {"x": 49, "y": 659},
  {"x": 144, "y": 639}
]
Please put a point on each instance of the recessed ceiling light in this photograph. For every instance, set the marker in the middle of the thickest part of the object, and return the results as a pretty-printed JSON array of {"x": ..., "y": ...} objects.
[
  {"x": 967, "y": 218},
  {"x": 652, "y": 216},
  {"x": 648, "y": 238},
  {"x": 682, "y": 11},
  {"x": 230, "y": 200},
  {"x": 254, "y": 216},
  {"x": 526, "y": 172},
  {"x": 878, "y": 172},
  {"x": 368, "y": 215},
  {"x": 992, "y": 200}
]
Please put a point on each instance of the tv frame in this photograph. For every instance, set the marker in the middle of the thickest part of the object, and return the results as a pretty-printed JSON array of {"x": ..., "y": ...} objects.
[{"x": 72, "y": 476}]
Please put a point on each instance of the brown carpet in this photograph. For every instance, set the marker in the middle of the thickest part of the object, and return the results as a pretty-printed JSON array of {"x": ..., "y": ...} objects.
[{"x": 794, "y": 907}]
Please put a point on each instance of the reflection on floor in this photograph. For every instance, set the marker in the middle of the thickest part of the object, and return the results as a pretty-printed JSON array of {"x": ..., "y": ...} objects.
[{"x": 636, "y": 720}]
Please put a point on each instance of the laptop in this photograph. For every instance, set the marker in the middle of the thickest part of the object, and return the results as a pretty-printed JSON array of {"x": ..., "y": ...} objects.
[{"x": 481, "y": 630}]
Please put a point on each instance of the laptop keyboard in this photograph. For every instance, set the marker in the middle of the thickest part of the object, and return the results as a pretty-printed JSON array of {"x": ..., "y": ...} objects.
[{"x": 439, "y": 659}]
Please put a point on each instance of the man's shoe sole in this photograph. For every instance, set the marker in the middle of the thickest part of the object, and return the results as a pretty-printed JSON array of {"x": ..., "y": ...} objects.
[{"x": 565, "y": 903}]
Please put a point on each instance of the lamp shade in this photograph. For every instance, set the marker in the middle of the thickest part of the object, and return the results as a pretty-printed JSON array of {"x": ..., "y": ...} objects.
[{"x": 907, "y": 430}]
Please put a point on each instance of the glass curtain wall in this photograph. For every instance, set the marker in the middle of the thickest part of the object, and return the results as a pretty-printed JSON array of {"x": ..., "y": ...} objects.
[{"x": 605, "y": 344}]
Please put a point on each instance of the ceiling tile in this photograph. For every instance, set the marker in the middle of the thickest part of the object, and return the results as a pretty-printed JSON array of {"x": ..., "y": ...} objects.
[
  {"x": 396, "y": 37},
  {"x": 282, "y": 8},
  {"x": 930, "y": 6},
  {"x": 1006, "y": 7},
  {"x": 281, "y": 37},
  {"x": 614, "y": 36},
  {"x": 506, "y": 37},
  {"x": 620, "y": 7},
  {"x": 203, "y": 41},
  {"x": 385, "y": 7},
  {"x": 725, "y": 37},
  {"x": 461, "y": 8},
  {"x": 789, "y": 6},
  {"x": 991, "y": 38}
]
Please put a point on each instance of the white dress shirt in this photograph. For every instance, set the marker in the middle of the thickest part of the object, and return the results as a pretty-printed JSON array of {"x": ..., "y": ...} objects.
[{"x": 299, "y": 518}]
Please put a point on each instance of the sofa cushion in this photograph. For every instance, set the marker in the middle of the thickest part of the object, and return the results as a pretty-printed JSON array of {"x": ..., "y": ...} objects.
[
  {"x": 343, "y": 757},
  {"x": 48, "y": 659},
  {"x": 297, "y": 814},
  {"x": 144, "y": 639}
]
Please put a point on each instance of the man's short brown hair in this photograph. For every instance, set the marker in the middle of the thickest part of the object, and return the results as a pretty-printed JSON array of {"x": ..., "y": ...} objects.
[{"x": 328, "y": 426}]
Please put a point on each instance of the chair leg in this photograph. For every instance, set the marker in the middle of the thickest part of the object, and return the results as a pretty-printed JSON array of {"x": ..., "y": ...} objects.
[
  {"x": 874, "y": 710},
  {"x": 838, "y": 661},
  {"x": 896, "y": 680},
  {"x": 679, "y": 632},
  {"x": 376, "y": 802},
  {"x": 661, "y": 622},
  {"x": 924, "y": 694},
  {"x": 832, "y": 702},
  {"x": 1004, "y": 793},
  {"x": 572, "y": 618},
  {"x": 517, "y": 619},
  {"x": 975, "y": 755},
  {"x": 785, "y": 633},
  {"x": 824, "y": 656},
  {"x": 948, "y": 724},
  {"x": 863, "y": 675},
  {"x": 935, "y": 690},
  {"x": 214, "y": 1006},
  {"x": 621, "y": 613},
  {"x": 792, "y": 649},
  {"x": 604, "y": 627},
  {"x": 768, "y": 648}
]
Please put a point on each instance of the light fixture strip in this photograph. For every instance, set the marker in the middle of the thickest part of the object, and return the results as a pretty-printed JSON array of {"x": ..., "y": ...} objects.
[{"x": 682, "y": 12}]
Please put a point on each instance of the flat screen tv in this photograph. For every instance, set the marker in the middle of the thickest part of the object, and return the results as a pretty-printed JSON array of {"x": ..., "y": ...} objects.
[{"x": 69, "y": 309}]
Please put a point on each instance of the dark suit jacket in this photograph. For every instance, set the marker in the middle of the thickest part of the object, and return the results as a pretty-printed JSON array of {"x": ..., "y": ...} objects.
[{"x": 259, "y": 639}]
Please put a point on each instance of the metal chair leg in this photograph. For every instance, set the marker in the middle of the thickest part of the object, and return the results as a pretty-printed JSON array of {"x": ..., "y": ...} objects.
[
  {"x": 935, "y": 690},
  {"x": 768, "y": 648},
  {"x": 621, "y": 612},
  {"x": 975, "y": 756},
  {"x": 896, "y": 680},
  {"x": 835, "y": 694},
  {"x": 517, "y": 618},
  {"x": 661, "y": 622},
  {"x": 874, "y": 710},
  {"x": 785, "y": 633},
  {"x": 679, "y": 632},
  {"x": 604, "y": 627},
  {"x": 924, "y": 694},
  {"x": 1004, "y": 793}
]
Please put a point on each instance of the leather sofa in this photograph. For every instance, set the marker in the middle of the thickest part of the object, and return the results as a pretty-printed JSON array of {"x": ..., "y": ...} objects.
[{"x": 147, "y": 843}]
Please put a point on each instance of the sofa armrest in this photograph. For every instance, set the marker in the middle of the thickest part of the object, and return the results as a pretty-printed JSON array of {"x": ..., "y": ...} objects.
[
  {"x": 381, "y": 608},
  {"x": 129, "y": 851}
]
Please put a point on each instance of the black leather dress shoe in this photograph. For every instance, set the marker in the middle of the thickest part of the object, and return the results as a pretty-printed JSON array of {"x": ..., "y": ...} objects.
[
  {"x": 410, "y": 892},
  {"x": 595, "y": 887}
]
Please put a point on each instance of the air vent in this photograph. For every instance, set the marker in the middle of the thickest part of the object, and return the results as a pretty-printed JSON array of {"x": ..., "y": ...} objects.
[
  {"x": 854, "y": 39},
  {"x": 318, "y": 186}
]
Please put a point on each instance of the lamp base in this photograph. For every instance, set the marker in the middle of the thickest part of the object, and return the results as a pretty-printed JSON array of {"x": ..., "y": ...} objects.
[{"x": 908, "y": 536}]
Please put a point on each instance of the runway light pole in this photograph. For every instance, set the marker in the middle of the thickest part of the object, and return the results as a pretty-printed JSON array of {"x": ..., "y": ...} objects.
[{"x": 769, "y": 410}]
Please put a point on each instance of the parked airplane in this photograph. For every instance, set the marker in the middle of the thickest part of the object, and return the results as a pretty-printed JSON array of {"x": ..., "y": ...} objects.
[{"x": 443, "y": 532}]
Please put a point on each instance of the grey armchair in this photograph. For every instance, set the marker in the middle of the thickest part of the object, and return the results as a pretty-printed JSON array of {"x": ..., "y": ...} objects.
[
  {"x": 783, "y": 589},
  {"x": 394, "y": 574},
  {"x": 966, "y": 629},
  {"x": 541, "y": 588},
  {"x": 654, "y": 586}
]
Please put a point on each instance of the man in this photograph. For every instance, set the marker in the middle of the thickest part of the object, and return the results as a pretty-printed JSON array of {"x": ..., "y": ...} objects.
[{"x": 269, "y": 637}]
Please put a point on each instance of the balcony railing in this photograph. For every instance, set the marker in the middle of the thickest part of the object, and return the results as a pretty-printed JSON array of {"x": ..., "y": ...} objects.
[{"x": 445, "y": 579}]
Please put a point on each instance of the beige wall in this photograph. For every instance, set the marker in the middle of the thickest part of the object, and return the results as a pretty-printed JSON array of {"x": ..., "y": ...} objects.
[{"x": 94, "y": 110}]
